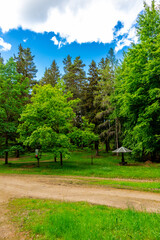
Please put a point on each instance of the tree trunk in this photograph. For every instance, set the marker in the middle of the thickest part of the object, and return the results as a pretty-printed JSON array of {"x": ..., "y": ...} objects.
[
  {"x": 55, "y": 159},
  {"x": 6, "y": 157},
  {"x": 107, "y": 145},
  {"x": 38, "y": 161},
  {"x": 91, "y": 159},
  {"x": 61, "y": 159},
  {"x": 123, "y": 162},
  {"x": 17, "y": 153},
  {"x": 6, "y": 153},
  {"x": 97, "y": 147},
  {"x": 116, "y": 125}
]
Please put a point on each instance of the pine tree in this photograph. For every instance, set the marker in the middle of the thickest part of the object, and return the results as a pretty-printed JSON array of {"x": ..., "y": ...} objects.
[
  {"x": 51, "y": 75},
  {"x": 106, "y": 125},
  {"x": 74, "y": 76},
  {"x": 89, "y": 108},
  {"x": 67, "y": 63},
  {"x": 25, "y": 64}
]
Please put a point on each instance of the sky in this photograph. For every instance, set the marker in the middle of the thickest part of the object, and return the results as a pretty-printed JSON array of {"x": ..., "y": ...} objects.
[{"x": 52, "y": 29}]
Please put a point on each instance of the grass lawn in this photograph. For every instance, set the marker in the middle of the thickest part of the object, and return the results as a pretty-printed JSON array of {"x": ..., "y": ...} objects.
[
  {"x": 54, "y": 220},
  {"x": 79, "y": 164}
]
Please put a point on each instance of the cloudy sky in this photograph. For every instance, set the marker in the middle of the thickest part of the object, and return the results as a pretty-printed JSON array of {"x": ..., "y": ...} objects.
[{"x": 55, "y": 28}]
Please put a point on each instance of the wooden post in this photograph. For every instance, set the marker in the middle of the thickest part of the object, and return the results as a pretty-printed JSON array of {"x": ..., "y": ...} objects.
[
  {"x": 6, "y": 152},
  {"x": 61, "y": 159},
  {"x": 123, "y": 162}
]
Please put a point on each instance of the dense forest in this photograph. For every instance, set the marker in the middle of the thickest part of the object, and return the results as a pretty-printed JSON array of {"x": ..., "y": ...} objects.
[{"x": 115, "y": 103}]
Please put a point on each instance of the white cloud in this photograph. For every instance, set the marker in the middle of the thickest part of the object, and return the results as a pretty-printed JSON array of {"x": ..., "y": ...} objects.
[
  {"x": 58, "y": 43},
  {"x": 75, "y": 20},
  {"x": 54, "y": 39},
  {"x": 4, "y": 46},
  {"x": 25, "y": 40},
  {"x": 127, "y": 41}
]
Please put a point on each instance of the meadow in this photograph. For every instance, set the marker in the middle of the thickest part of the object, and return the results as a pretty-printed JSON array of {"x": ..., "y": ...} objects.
[{"x": 48, "y": 220}]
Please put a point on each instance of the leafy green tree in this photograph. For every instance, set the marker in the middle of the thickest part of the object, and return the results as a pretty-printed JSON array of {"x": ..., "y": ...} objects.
[
  {"x": 51, "y": 75},
  {"x": 47, "y": 120},
  {"x": 25, "y": 64},
  {"x": 11, "y": 104},
  {"x": 137, "y": 87}
]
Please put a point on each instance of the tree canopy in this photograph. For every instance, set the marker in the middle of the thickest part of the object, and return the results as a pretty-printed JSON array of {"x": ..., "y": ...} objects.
[{"x": 137, "y": 88}]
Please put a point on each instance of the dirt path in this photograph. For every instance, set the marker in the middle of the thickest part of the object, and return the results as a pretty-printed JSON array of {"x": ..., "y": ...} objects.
[{"x": 67, "y": 189}]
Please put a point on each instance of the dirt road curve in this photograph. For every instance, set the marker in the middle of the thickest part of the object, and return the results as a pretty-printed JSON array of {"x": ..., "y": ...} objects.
[{"x": 69, "y": 189}]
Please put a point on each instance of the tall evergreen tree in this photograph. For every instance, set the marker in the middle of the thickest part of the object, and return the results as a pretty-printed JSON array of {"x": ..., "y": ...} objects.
[
  {"x": 75, "y": 80},
  {"x": 90, "y": 109},
  {"x": 138, "y": 87},
  {"x": 74, "y": 77},
  {"x": 51, "y": 75},
  {"x": 25, "y": 64},
  {"x": 107, "y": 125},
  {"x": 67, "y": 63}
]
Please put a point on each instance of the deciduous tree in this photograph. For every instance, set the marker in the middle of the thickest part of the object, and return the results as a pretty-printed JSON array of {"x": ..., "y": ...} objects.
[{"x": 12, "y": 100}]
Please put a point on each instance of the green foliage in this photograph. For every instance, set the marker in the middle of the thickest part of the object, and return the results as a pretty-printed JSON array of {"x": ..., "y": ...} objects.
[
  {"x": 137, "y": 88},
  {"x": 105, "y": 89},
  {"x": 83, "y": 136},
  {"x": 46, "y": 121},
  {"x": 89, "y": 109},
  {"x": 25, "y": 64},
  {"x": 51, "y": 75},
  {"x": 74, "y": 76},
  {"x": 12, "y": 100},
  {"x": 1, "y": 59},
  {"x": 148, "y": 26},
  {"x": 75, "y": 80}
]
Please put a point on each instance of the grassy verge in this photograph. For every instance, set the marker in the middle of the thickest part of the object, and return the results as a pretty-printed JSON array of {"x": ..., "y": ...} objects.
[
  {"x": 48, "y": 220},
  {"x": 132, "y": 185}
]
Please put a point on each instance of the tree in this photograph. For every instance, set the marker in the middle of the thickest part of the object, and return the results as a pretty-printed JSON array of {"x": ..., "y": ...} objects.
[
  {"x": 74, "y": 76},
  {"x": 11, "y": 104},
  {"x": 89, "y": 108},
  {"x": 75, "y": 81},
  {"x": 47, "y": 120},
  {"x": 25, "y": 65},
  {"x": 84, "y": 136},
  {"x": 137, "y": 87},
  {"x": 106, "y": 123},
  {"x": 1, "y": 59},
  {"x": 51, "y": 75}
]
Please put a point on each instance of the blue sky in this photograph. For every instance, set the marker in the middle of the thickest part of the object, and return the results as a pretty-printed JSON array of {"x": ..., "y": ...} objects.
[{"x": 52, "y": 29}]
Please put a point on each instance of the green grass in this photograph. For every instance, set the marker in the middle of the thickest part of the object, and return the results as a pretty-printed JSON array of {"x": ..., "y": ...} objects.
[
  {"x": 79, "y": 164},
  {"x": 54, "y": 220},
  {"x": 121, "y": 184}
]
